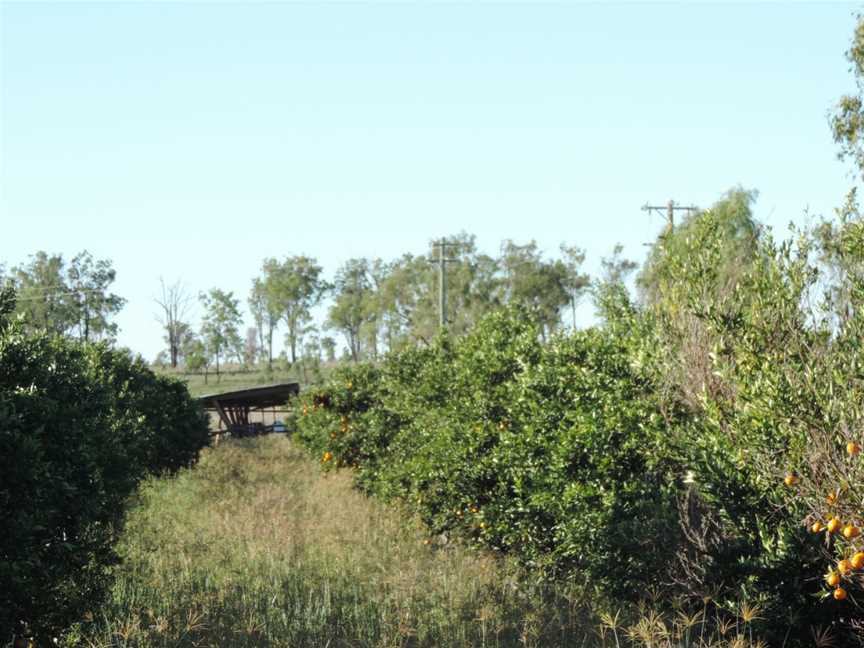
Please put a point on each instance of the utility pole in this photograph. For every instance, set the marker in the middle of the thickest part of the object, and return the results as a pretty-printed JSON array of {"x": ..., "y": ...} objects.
[
  {"x": 670, "y": 208},
  {"x": 442, "y": 246}
]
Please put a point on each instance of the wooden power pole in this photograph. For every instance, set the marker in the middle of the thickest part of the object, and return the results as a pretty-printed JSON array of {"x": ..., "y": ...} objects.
[
  {"x": 442, "y": 261},
  {"x": 670, "y": 208}
]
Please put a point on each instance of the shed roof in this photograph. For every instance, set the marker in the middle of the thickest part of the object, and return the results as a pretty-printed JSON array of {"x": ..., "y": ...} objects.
[{"x": 253, "y": 398}]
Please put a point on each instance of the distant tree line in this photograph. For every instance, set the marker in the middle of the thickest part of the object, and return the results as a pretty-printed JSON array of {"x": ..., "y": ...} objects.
[
  {"x": 71, "y": 298},
  {"x": 375, "y": 306}
]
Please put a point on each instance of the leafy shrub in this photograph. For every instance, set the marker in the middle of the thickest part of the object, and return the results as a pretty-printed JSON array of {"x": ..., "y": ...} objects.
[
  {"x": 166, "y": 429},
  {"x": 79, "y": 427},
  {"x": 551, "y": 453},
  {"x": 651, "y": 450},
  {"x": 741, "y": 350}
]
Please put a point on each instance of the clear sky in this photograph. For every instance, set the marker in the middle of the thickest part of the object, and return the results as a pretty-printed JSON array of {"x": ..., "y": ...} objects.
[{"x": 191, "y": 140}]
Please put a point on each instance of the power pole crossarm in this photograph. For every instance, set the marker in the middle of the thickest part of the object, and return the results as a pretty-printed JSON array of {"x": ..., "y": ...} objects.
[{"x": 670, "y": 208}]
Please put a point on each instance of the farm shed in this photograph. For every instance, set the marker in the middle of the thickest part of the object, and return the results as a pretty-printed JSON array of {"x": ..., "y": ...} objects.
[{"x": 237, "y": 409}]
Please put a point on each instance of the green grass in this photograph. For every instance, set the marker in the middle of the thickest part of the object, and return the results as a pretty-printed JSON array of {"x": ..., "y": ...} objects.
[
  {"x": 257, "y": 547},
  {"x": 233, "y": 377}
]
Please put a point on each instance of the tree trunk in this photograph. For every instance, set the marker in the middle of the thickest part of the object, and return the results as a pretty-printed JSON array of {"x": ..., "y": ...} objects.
[{"x": 270, "y": 350}]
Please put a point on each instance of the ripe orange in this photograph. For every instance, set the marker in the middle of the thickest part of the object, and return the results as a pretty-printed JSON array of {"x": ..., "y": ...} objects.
[
  {"x": 327, "y": 456},
  {"x": 857, "y": 560},
  {"x": 791, "y": 479},
  {"x": 839, "y": 594},
  {"x": 834, "y": 524},
  {"x": 851, "y": 531},
  {"x": 844, "y": 566},
  {"x": 833, "y": 579},
  {"x": 853, "y": 448},
  {"x": 817, "y": 527}
]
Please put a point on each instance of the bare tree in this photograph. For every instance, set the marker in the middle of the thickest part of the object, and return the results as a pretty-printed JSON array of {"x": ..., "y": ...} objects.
[{"x": 174, "y": 304}]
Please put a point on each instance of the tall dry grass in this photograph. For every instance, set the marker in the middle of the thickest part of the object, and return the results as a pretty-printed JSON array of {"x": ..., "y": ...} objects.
[{"x": 257, "y": 547}]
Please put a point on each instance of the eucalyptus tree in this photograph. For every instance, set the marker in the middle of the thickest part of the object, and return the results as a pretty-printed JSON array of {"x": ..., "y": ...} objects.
[
  {"x": 328, "y": 344},
  {"x": 173, "y": 302},
  {"x": 43, "y": 295},
  {"x": 292, "y": 288},
  {"x": 349, "y": 311},
  {"x": 529, "y": 280},
  {"x": 195, "y": 356},
  {"x": 91, "y": 303},
  {"x": 266, "y": 310},
  {"x": 220, "y": 329},
  {"x": 576, "y": 282},
  {"x": 68, "y": 299}
]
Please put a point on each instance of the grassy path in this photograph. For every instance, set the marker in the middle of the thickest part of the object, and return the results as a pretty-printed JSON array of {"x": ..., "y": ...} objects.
[{"x": 256, "y": 547}]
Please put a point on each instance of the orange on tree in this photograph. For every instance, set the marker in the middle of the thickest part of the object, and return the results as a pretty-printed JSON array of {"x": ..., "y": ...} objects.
[
  {"x": 817, "y": 527},
  {"x": 833, "y": 579},
  {"x": 834, "y": 524},
  {"x": 844, "y": 566},
  {"x": 853, "y": 448},
  {"x": 851, "y": 531},
  {"x": 857, "y": 560},
  {"x": 839, "y": 594},
  {"x": 791, "y": 479},
  {"x": 327, "y": 456}
]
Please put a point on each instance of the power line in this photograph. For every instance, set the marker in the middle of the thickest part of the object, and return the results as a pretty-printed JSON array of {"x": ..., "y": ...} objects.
[{"x": 46, "y": 294}]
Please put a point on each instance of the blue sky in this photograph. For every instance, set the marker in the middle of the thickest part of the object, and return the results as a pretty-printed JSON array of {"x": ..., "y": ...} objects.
[{"x": 191, "y": 140}]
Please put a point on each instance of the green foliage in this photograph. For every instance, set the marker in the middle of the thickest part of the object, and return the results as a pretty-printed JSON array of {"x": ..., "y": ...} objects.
[
  {"x": 220, "y": 326},
  {"x": 165, "y": 428},
  {"x": 287, "y": 290},
  {"x": 80, "y": 425},
  {"x": 650, "y": 450},
  {"x": 547, "y": 452},
  {"x": 304, "y": 561},
  {"x": 68, "y": 298},
  {"x": 738, "y": 347},
  {"x": 351, "y": 302}
]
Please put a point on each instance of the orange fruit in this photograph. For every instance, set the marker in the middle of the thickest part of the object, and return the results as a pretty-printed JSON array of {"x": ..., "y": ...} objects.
[
  {"x": 327, "y": 456},
  {"x": 851, "y": 531},
  {"x": 834, "y": 524},
  {"x": 844, "y": 566},
  {"x": 833, "y": 579},
  {"x": 817, "y": 527},
  {"x": 857, "y": 560},
  {"x": 853, "y": 448},
  {"x": 839, "y": 594},
  {"x": 791, "y": 479}
]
